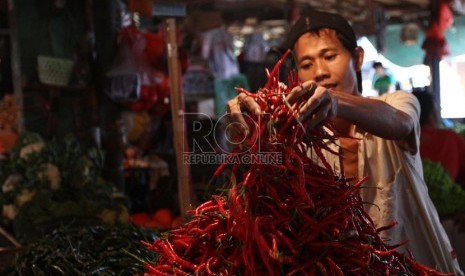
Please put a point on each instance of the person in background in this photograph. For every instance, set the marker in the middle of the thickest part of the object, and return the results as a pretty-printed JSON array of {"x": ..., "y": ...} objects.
[
  {"x": 386, "y": 129},
  {"x": 437, "y": 143},
  {"x": 383, "y": 82}
]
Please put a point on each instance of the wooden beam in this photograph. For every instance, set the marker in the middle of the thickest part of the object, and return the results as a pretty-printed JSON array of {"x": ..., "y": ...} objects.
[
  {"x": 177, "y": 114},
  {"x": 15, "y": 65}
]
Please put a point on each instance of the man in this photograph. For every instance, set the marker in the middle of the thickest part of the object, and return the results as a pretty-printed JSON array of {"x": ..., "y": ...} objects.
[
  {"x": 440, "y": 144},
  {"x": 387, "y": 127},
  {"x": 383, "y": 82}
]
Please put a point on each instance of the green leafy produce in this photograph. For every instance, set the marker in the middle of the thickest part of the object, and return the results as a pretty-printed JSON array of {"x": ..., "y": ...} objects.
[
  {"x": 459, "y": 128},
  {"x": 96, "y": 249},
  {"x": 447, "y": 196},
  {"x": 45, "y": 181}
]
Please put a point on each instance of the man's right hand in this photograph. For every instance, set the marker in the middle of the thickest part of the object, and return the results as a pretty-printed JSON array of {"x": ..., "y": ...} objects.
[{"x": 235, "y": 109}]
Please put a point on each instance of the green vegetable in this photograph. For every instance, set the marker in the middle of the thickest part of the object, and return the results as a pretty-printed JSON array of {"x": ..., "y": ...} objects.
[
  {"x": 447, "y": 196},
  {"x": 459, "y": 128},
  {"x": 45, "y": 181},
  {"x": 94, "y": 249}
]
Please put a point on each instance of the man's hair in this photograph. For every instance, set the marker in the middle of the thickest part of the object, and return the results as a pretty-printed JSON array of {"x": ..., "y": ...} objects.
[
  {"x": 312, "y": 21},
  {"x": 427, "y": 105},
  {"x": 377, "y": 64}
]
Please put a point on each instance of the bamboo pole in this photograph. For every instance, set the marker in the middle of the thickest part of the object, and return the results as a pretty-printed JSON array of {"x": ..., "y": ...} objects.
[
  {"x": 177, "y": 112},
  {"x": 15, "y": 65}
]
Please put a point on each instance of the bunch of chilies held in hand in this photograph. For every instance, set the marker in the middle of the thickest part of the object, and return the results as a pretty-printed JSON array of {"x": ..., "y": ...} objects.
[{"x": 295, "y": 217}]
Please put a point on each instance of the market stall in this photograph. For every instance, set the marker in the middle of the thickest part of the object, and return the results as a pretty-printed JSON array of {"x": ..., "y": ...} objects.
[{"x": 127, "y": 166}]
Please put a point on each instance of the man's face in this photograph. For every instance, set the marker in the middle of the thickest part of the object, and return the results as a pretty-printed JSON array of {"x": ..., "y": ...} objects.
[
  {"x": 380, "y": 71},
  {"x": 324, "y": 59}
]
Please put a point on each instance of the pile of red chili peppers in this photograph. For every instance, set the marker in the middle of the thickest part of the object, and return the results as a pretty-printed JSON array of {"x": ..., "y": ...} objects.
[{"x": 289, "y": 218}]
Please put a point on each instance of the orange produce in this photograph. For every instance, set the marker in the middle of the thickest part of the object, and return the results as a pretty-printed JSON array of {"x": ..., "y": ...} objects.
[
  {"x": 153, "y": 223},
  {"x": 164, "y": 216},
  {"x": 140, "y": 219},
  {"x": 7, "y": 140}
]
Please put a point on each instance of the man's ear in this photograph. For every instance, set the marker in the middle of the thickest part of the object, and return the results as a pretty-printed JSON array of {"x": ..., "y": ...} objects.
[{"x": 358, "y": 58}]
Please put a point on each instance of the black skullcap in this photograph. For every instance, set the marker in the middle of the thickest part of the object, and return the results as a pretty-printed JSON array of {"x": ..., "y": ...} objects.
[{"x": 312, "y": 20}]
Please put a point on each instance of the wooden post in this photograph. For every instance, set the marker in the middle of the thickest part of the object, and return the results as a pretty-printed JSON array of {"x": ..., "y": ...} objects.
[
  {"x": 15, "y": 65},
  {"x": 435, "y": 86},
  {"x": 177, "y": 114}
]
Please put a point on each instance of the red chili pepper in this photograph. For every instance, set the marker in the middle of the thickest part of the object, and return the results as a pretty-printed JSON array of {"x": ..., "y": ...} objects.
[
  {"x": 156, "y": 271},
  {"x": 180, "y": 272},
  {"x": 387, "y": 227},
  {"x": 274, "y": 73},
  {"x": 297, "y": 217},
  {"x": 172, "y": 255},
  {"x": 220, "y": 169},
  {"x": 333, "y": 267},
  {"x": 212, "y": 262}
]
